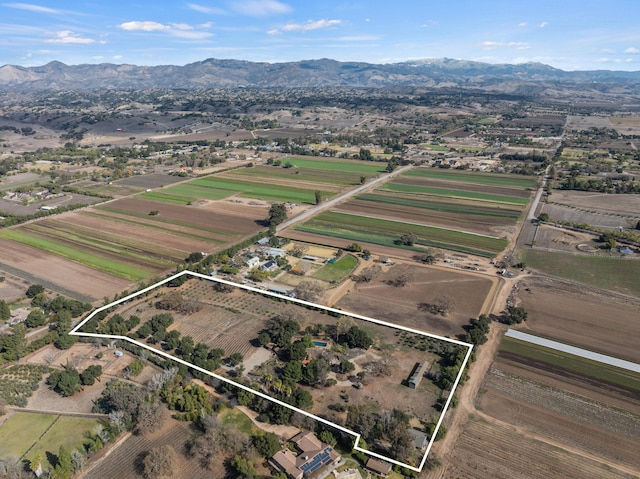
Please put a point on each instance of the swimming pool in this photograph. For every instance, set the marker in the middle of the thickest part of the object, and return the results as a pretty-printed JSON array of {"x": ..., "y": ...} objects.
[{"x": 320, "y": 344}]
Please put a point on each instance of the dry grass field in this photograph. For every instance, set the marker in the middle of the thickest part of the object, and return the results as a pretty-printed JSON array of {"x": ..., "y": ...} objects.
[{"x": 399, "y": 305}]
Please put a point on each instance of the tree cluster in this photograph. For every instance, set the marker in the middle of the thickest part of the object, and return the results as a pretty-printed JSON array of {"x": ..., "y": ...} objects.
[{"x": 69, "y": 381}]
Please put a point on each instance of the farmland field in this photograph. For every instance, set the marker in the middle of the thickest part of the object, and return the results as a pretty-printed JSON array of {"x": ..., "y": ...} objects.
[
  {"x": 119, "y": 242},
  {"x": 599, "y": 272},
  {"x": 494, "y": 450},
  {"x": 384, "y": 232},
  {"x": 296, "y": 184},
  {"x": 497, "y": 179},
  {"x": 581, "y": 316},
  {"x": 616, "y": 379},
  {"x": 534, "y": 420},
  {"x": 217, "y": 188}
]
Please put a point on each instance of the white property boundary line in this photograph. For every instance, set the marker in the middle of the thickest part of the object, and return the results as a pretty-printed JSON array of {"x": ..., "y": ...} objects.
[{"x": 75, "y": 332}]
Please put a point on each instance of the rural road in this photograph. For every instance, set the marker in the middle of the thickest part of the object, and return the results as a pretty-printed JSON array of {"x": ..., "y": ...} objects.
[{"x": 341, "y": 197}]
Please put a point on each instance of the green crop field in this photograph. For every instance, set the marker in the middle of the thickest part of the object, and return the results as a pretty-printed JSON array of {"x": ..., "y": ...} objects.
[
  {"x": 387, "y": 232},
  {"x": 447, "y": 192},
  {"x": 215, "y": 188},
  {"x": 101, "y": 242},
  {"x": 617, "y": 274},
  {"x": 446, "y": 206},
  {"x": 571, "y": 362},
  {"x": 338, "y": 271},
  {"x": 122, "y": 269},
  {"x": 473, "y": 177}
]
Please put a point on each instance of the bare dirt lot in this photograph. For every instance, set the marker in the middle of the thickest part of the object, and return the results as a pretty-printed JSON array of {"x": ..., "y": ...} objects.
[
  {"x": 566, "y": 240},
  {"x": 594, "y": 216},
  {"x": 399, "y": 305},
  {"x": 190, "y": 215},
  {"x": 582, "y": 316},
  {"x": 602, "y": 202}
]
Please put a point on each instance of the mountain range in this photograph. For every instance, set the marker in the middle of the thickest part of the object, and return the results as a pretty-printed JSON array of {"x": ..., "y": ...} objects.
[{"x": 218, "y": 73}]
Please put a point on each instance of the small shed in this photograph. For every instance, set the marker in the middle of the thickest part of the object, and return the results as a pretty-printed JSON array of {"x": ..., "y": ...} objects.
[{"x": 417, "y": 374}]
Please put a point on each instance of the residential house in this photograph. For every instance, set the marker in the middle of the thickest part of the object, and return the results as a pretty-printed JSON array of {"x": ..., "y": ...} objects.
[
  {"x": 314, "y": 455},
  {"x": 379, "y": 467}
]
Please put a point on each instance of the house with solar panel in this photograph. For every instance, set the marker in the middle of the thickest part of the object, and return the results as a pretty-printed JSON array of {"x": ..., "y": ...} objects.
[{"x": 313, "y": 456}]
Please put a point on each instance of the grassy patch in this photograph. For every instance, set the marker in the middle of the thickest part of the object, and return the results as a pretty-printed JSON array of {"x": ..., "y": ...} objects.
[
  {"x": 237, "y": 419},
  {"x": 124, "y": 270},
  {"x": 473, "y": 177},
  {"x": 66, "y": 431},
  {"x": 450, "y": 192},
  {"x": 386, "y": 232},
  {"x": 583, "y": 366},
  {"x": 22, "y": 431},
  {"x": 338, "y": 271},
  {"x": 615, "y": 274}
]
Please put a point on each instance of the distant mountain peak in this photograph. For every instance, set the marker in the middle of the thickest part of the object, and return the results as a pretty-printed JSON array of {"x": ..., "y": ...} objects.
[{"x": 222, "y": 73}]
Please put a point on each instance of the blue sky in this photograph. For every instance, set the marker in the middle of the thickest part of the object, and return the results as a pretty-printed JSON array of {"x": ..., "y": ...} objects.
[{"x": 567, "y": 34}]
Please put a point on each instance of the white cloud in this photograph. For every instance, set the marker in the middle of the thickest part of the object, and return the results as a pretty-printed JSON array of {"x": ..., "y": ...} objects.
[
  {"x": 632, "y": 51},
  {"x": 522, "y": 24},
  {"x": 145, "y": 26},
  {"x": 310, "y": 25},
  {"x": 359, "y": 38},
  {"x": 67, "y": 36},
  {"x": 205, "y": 9},
  {"x": 180, "y": 30},
  {"x": 118, "y": 57},
  {"x": 608, "y": 60},
  {"x": 181, "y": 26},
  {"x": 305, "y": 27},
  {"x": 191, "y": 34},
  {"x": 260, "y": 8},
  {"x": 488, "y": 45},
  {"x": 32, "y": 8},
  {"x": 543, "y": 24},
  {"x": 519, "y": 45}
]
